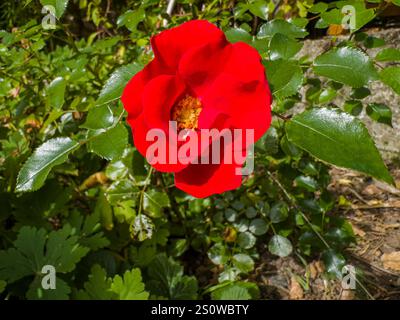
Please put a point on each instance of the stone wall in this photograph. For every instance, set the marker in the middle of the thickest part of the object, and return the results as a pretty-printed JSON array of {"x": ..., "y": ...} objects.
[{"x": 387, "y": 139}]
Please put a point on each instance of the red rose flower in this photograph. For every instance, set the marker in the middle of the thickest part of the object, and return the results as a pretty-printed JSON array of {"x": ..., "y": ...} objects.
[{"x": 201, "y": 81}]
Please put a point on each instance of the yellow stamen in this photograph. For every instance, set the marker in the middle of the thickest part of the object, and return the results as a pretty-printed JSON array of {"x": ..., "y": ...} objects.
[{"x": 186, "y": 112}]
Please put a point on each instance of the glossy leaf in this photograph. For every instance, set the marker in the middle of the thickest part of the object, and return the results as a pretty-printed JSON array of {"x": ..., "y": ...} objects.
[
  {"x": 114, "y": 86},
  {"x": 391, "y": 77},
  {"x": 334, "y": 263},
  {"x": 131, "y": 19},
  {"x": 154, "y": 201},
  {"x": 279, "y": 212},
  {"x": 388, "y": 54},
  {"x": 59, "y": 5},
  {"x": 243, "y": 262},
  {"x": 339, "y": 139},
  {"x": 56, "y": 92},
  {"x": 108, "y": 144},
  {"x": 99, "y": 118},
  {"x": 237, "y": 34},
  {"x": 354, "y": 107},
  {"x": 280, "y": 246},
  {"x": 35, "y": 170},
  {"x": 285, "y": 77},
  {"x": 346, "y": 65},
  {"x": 258, "y": 227},
  {"x": 380, "y": 113},
  {"x": 284, "y": 27},
  {"x": 282, "y": 47}
]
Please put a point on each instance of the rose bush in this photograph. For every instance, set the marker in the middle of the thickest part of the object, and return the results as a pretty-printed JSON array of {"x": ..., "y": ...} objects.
[
  {"x": 201, "y": 81},
  {"x": 76, "y": 192}
]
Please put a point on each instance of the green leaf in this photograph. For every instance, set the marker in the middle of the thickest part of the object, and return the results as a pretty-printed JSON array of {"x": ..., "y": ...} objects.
[
  {"x": 363, "y": 15},
  {"x": 230, "y": 214},
  {"x": 100, "y": 287},
  {"x": 341, "y": 235},
  {"x": 246, "y": 240},
  {"x": 240, "y": 9},
  {"x": 388, "y": 54},
  {"x": 154, "y": 202},
  {"x": 99, "y": 118},
  {"x": 284, "y": 27},
  {"x": 285, "y": 77},
  {"x": 360, "y": 93},
  {"x": 56, "y": 92},
  {"x": 88, "y": 229},
  {"x": 108, "y": 144},
  {"x": 167, "y": 280},
  {"x": 300, "y": 22},
  {"x": 62, "y": 250},
  {"x": 218, "y": 254},
  {"x": 131, "y": 19},
  {"x": 97, "y": 287},
  {"x": 346, "y": 65},
  {"x": 237, "y": 34},
  {"x": 380, "y": 113},
  {"x": 130, "y": 287},
  {"x": 115, "y": 85},
  {"x": 35, "y": 170},
  {"x": 337, "y": 138},
  {"x": 124, "y": 211},
  {"x": 319, "y": 7},
  {"x": 259, "y": 8},
  {"x": 3, "y": 285},
  {"x": 34, "y": 249},
  {"x": 121, "y": 190},
  {"x": 290, "y": 148},
  {"x": 374, "y": 42},
  {"x": 231, "y": 291},
  {"x": 334, "y": 263},
  {"x": 36, "y": 291},
  {"x": 354, "y": 107},
  {"x": 282, "y": 47},
  {"x": 243, "y": 262},
  {"x": 391, "y": 77},
  {"x": 336, "y": 16},
  {"x": 59, "y": 6},
  {"x": 258, "y": 227},
  {"x": 142, "y": 228},
  {"x": 332, "y": 17},
  {"x": 178, "y": 247},
  {"x": 307, "y": 183},
  {"x": 268, "y": 143},
  {"x": 327, "y": 95},
  {"x": 143, "y": 255},
  {"x": 280, "y": 246},
  {"x": 279, "y": 212}
]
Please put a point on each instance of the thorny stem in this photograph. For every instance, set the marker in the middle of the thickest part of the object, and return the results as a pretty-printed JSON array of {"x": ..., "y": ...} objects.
[
  {"x": 293, "y": 202},
  {"x": 141, "y": 196}
]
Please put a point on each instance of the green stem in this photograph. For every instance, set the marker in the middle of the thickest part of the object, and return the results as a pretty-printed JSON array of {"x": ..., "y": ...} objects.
[{"x": 294, "y": 204}]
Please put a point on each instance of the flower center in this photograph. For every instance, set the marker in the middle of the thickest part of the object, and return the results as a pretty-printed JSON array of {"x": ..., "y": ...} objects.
[{"x": 186, "y": 112}]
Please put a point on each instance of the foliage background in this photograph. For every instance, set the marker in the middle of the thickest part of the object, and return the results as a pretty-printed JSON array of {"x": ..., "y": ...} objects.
[{"x": 74, "y": 192}]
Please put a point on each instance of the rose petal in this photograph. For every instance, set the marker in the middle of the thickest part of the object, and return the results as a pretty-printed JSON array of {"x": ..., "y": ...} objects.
[
  {"x": 248, "y": 105},
  {"x": 170, "y": 45},
  {"x": 203, "y": 180}
]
